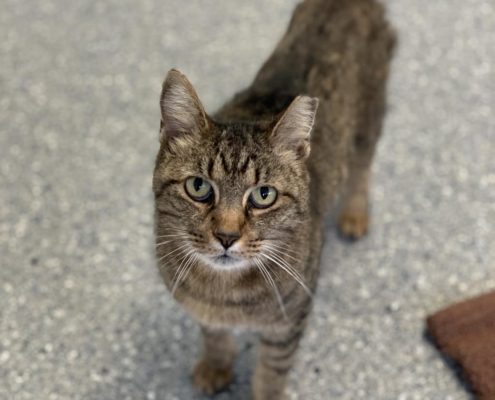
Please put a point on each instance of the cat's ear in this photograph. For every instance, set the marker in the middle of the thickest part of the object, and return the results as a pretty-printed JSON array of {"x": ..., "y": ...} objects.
[
  {"x": 292, "y": 131},
  {"x": 182, "y": 111}
]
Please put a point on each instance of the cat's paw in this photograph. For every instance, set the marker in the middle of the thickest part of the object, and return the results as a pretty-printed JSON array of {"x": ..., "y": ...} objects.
[
  {"x": 354, "y": 225},
  {"x": 210, "y": 380}
]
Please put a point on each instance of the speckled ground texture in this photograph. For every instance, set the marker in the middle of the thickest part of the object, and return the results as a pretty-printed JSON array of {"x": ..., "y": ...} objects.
[{"x": 83, "y": 314}]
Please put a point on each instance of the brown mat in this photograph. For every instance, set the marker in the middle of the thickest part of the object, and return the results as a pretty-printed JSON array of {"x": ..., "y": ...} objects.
[{"x": 465, "y": 332}]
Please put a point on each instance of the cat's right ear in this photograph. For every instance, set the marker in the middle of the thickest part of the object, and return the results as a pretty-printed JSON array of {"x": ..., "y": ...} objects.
[{"x": 183, "y": 114}]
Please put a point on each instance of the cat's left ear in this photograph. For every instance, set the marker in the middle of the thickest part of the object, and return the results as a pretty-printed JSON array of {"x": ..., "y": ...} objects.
[
  {"x": 293, "y": 129},
  {"x": 182, "y": 112}
]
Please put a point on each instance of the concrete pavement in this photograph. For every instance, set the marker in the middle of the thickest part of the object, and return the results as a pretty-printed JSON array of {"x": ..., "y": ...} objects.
[{"x": 83, "y": 314}]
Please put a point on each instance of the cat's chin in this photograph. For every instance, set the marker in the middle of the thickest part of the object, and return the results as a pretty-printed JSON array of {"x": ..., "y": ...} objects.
[{"x": 225, "y": 263}]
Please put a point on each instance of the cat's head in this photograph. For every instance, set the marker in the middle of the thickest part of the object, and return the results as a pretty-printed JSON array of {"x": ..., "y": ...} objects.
[{"x": 231, "y": 195}]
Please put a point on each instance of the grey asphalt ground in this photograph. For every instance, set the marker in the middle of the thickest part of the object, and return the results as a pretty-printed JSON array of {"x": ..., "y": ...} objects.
[{"x": 83, "y": 314}]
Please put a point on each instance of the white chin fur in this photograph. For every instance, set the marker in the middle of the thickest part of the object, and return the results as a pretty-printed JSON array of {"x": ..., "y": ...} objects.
[{"x": 229, "y": 264}]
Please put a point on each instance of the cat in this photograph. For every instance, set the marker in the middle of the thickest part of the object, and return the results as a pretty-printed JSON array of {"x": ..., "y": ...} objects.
[{"x": 241, "y": 196}]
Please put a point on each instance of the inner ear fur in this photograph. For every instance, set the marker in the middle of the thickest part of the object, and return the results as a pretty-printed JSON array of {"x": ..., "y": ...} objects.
[
  {"x": 292, "y": 130},
  {"x": 181, "y": 110}
]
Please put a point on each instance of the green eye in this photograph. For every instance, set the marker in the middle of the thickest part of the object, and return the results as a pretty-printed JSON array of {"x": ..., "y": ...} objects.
[
  {"x": 199, "y": 189},
  {"x": 263, "y": 196}
]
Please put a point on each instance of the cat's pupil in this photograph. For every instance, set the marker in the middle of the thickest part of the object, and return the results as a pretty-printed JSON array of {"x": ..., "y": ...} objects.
[
  {"x": 198, "y": 182},
  {"x": 264, "y": 191}
]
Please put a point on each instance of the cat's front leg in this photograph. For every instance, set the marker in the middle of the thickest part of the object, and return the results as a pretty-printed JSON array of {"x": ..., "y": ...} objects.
[
  {"x": 213, "y": 372},
  {"x": 276, "y": 355}
]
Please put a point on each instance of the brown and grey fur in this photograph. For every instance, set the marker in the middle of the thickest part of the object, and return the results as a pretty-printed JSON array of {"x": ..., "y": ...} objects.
[{"x": 337, "y": 51}]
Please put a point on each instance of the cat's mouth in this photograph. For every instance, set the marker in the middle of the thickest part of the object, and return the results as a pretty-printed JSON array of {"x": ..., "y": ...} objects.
[{"x": 226, "y": 261}]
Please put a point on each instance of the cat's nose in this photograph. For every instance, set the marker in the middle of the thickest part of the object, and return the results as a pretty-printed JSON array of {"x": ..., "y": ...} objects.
[{"x": 227, "y": 238}]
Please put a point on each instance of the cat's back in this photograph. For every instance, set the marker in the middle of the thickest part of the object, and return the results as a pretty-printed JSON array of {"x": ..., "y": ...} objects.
[{"x": 338, "y": 51}]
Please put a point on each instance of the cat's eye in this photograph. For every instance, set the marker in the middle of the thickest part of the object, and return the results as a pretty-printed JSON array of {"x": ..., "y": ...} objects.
[
  {"x": 199, "y": 189},
  {"x": 263, "y": 196}
]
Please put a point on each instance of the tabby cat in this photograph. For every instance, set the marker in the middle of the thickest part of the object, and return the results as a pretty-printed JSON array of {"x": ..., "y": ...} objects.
[{"x": 241, "y": 196}]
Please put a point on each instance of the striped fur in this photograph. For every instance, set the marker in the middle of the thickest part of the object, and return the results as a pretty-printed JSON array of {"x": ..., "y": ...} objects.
[{"x": 337, "y": 51}]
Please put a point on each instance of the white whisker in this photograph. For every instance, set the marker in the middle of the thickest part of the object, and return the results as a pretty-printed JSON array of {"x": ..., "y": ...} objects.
[
  {"x": 181, "y": 261},
  {"x": 181, "y": 235},
  {"x": 181, "y": 247},
  {"x": 266, "y": 275},
  {"x": 165, "y": 242},
  {"x": 281, "y": 250},
  {"x": 179, "y": 253},
  {"x": 185, "y": 269},
  {"x": 287, "y": 268}
]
